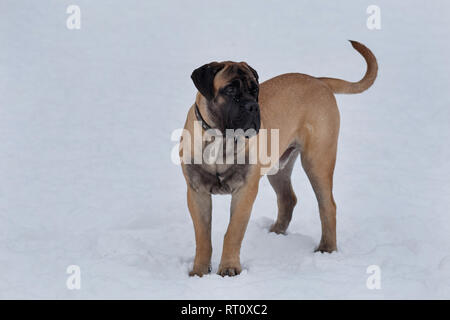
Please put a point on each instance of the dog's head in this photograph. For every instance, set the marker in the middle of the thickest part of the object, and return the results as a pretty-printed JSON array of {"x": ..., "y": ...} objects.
[{"x": 231, "y": 90}]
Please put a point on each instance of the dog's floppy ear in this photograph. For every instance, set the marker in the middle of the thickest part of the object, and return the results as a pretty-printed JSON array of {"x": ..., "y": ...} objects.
[
  {"x": 254, "y": 73},
  {"x": 203, "y": 78}
]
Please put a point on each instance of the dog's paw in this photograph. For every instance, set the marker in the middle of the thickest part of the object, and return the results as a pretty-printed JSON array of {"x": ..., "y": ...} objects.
[
  {"x": 200, "y": 270},
  {"x": 326, "y": 247},
  {"x": 278, "y": 228},
  {"x": 230, "y": 270}
]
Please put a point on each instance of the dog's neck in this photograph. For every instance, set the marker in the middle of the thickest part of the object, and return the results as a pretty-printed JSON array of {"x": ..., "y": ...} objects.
[
  {"x": 201, "y": 115},
  {"x": 201, "y": 112},
  {"x": 200, "y": 118}
]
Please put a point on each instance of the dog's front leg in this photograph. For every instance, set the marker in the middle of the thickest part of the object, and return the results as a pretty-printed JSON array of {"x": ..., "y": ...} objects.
[
  {"x": 241, "y": 207},
  {"x": 199, "y": 203}
]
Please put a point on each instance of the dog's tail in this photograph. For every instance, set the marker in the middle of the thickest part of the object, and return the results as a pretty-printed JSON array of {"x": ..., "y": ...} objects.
[{"x": 342, "y": 86}]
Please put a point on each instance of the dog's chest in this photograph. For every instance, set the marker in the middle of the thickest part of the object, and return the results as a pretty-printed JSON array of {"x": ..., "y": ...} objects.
[{"x": 217, "y": 178}]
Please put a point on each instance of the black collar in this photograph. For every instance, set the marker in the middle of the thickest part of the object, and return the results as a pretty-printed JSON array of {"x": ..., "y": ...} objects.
[{"x": 205, "y": 125}]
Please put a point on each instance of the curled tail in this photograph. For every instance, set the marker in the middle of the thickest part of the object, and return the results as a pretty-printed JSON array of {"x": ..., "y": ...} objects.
[{"x": 342, "y": 86}]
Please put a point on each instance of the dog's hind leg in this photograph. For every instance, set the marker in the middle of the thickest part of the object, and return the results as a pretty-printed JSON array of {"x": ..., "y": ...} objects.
[
  {"x": 318, "y": 161},
  {"x": 281, "y": 183}
]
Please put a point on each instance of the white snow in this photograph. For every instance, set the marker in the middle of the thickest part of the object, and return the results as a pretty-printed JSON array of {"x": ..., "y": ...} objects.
[{"x": 85, "y": 173}]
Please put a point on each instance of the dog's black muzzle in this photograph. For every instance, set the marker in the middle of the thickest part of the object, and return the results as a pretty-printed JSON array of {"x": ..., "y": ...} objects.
[{"x": 245, "y": 118}]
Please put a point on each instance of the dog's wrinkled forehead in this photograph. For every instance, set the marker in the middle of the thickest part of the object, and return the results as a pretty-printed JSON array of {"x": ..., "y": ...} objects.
[{"x": 232, "y": 71}]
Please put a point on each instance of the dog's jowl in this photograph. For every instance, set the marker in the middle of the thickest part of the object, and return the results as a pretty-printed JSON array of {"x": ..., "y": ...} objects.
[{"x": 231, "y": 105}]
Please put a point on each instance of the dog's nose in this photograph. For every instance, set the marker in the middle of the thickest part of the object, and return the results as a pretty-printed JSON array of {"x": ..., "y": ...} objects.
[{"x": 252, "y": 107}]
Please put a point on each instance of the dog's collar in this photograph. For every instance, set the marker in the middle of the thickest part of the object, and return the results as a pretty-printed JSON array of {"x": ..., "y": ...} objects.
[{"x": 205, "y": 125}]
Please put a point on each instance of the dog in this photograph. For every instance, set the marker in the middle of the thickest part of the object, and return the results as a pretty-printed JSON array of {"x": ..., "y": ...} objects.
[{"x": 303, "y": 109}]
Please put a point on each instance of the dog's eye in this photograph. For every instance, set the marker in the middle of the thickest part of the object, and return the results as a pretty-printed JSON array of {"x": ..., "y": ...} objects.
[
  {"x": 230, "y": 90},
  {"x": 254, "y": 91}
]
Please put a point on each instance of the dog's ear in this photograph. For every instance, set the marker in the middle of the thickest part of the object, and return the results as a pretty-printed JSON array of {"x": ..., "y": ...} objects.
[
  {"x": 203, "y": 78},
  {"x": 254, "y": 73}
]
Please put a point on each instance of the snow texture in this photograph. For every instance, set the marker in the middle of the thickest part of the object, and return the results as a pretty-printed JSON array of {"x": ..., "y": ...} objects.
[{"x": 86, "y": 177}]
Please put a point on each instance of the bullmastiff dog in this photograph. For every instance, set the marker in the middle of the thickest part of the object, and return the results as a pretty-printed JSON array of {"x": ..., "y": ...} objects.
[{"x": 303, "y": 112}]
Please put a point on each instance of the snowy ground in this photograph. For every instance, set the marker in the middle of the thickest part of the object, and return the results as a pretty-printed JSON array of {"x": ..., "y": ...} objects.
[{"x": 85, "y": 173}]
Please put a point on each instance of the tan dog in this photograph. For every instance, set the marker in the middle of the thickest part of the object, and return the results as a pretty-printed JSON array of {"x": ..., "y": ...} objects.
[{"x": 304, "y": 110}]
